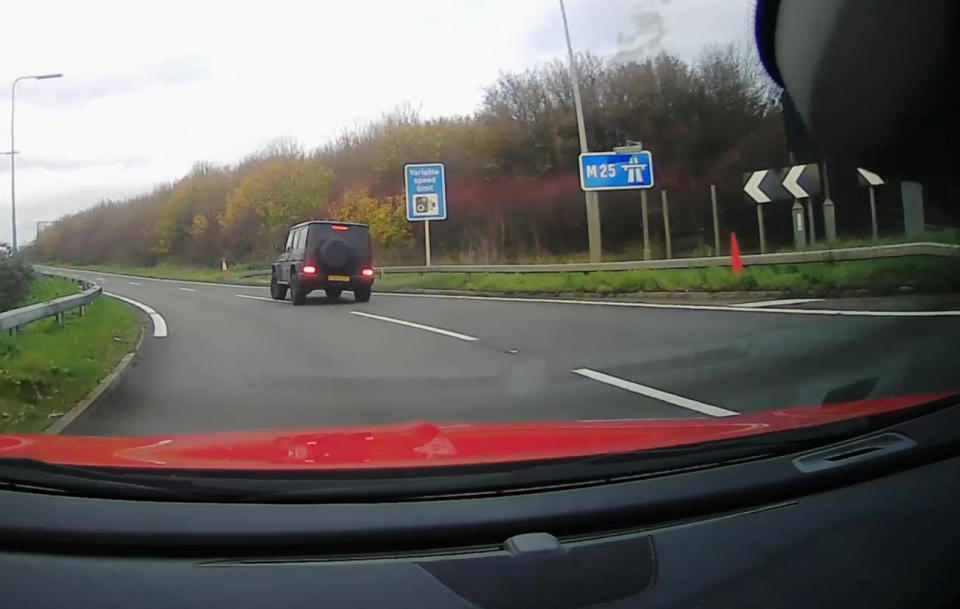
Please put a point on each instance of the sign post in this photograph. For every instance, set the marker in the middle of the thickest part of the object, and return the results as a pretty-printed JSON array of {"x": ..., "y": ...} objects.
[
  {"x": 870, "y": 179},
  {"x": 425, "y": 187},
  {"x": 716, "y": 220},
  {"x": 646, "y": 227},
  {"x": 796, "y": 182}
]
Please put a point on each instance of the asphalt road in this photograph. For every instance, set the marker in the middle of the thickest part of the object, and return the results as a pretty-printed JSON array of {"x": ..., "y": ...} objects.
[{"x": 235, "y": 360}]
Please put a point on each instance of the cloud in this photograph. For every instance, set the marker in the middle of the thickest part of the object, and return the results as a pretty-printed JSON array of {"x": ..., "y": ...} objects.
[
  {"x": 73, "y": 91},
  {"x": 27, "y": 163}
]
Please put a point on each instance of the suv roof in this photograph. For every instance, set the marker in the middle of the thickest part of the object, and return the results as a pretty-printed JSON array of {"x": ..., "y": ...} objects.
[{"x": 308, "y": 222}]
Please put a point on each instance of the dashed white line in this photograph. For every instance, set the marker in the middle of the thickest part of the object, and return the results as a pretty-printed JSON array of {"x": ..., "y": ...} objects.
[
  {"x": 411, "y": 324},
  {"x": 777, "y": 303},
  {"x": 159, "y": 323},
  {"x": 686, "y": 307},
  {"x": 134, "y": 283},
  {"x": 650, "y": 392},
  {"x": 256, "y": 297},
  {"x": 100, "y": 279},
  {"x": 186, "y": 289}
]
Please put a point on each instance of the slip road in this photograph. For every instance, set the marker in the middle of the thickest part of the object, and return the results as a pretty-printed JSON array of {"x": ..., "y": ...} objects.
[{"x": 232, "y": 359}]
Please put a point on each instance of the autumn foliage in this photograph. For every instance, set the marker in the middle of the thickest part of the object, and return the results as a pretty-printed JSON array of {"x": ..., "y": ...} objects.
[{"x": 513, "y": 188}]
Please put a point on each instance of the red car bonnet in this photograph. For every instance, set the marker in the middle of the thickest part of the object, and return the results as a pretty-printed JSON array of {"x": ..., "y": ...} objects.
[{"x": 419, "y": 444}]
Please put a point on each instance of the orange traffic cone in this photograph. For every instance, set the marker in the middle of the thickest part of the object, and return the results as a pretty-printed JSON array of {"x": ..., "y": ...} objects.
[{"x": 735, "y": 262}]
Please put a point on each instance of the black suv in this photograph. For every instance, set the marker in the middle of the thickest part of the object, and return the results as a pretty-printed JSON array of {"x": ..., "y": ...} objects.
[{"x": 334, "y": 256}]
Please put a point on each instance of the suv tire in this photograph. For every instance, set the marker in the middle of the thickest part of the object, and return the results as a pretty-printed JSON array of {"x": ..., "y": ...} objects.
[
  {"x": 362, "y": 294},
  {"x": 277, "y": 291},
  {"x": 298, "y": 296}
]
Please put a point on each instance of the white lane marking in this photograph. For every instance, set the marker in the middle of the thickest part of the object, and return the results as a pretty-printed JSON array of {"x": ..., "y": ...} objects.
[
  {"x": 650, "y": 392},
  {"x": 100, "y": 279},
  {"x": 186, "y": 289},
  {"x": 256, "y": 297},
  {"x": 159, "y": 323},
  {"x": 415, "y": 325},
  {"x": 134, "y": 283},
  {"x": 686, "y": 307},
  {"x": 777, "y": 303}
]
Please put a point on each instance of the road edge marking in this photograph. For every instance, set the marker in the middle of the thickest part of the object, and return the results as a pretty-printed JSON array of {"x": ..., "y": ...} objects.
[
  {"x": 104, "y": 387},
  {"x": 160, "y": 329},
  {"x": 657, "y": 394},
  {"x": 411, "y": 324},
  {"x": 777, "y": 303},
  {"x": 252, "y": 297}
]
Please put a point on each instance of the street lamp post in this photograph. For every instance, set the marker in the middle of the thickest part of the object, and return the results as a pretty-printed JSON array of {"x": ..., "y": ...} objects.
[
  {"x": 13, "y": 182},
  {"x": 593, "y": 207}
]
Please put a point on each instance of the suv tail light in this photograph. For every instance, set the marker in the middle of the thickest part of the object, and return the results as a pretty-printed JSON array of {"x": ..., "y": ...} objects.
[
  {"x": 338, "y": 227},
  {"x": 368, "y": 272},
  {"x": 309, "y": 269}
]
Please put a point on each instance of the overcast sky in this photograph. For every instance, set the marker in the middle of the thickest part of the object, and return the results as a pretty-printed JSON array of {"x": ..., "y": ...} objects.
[{"x": 149, "y": 89}]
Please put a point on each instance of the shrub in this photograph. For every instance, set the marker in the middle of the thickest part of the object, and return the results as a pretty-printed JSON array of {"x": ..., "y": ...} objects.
[{"x": 15, "y": 279}]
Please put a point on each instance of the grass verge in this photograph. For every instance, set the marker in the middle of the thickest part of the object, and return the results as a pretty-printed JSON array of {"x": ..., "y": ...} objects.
[
  {"x": 47, "y": 369},
  {"x": 881, "y": 276},
  {"x": 186, "y": 273}
]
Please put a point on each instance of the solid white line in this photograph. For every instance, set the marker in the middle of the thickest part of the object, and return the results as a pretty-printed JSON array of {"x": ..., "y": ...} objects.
[
  {"x": 777, "y": 303},
  {"x": 650, "y": 392},
  {"x": 159, "y": 323},
  {"x": 415, "y": 325},
  {"x": 256, "y": 297},
  {"x": 686, "y": 307},
  {"x": 187, "y": 290}
]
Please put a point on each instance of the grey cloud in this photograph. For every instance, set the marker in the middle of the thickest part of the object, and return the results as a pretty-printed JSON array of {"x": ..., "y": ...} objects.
[
  {"x": 25, "y": 163},
  {"x": 77, "y": 91}
]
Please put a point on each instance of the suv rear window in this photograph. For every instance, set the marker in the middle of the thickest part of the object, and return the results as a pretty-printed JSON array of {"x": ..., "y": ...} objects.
[{"x": 356, "y": 237}]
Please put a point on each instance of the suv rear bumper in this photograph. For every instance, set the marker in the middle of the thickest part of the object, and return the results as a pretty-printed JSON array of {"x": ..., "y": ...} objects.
[{"x": 321, "y": 281}]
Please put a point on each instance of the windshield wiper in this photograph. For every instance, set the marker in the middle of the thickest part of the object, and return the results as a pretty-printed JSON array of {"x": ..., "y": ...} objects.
[{"x": 28, "y": 475}]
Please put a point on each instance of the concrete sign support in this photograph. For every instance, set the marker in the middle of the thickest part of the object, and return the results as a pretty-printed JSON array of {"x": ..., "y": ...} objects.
[
  {"x": 913, "y": 220},
  {"x": 799, "y": 237}
]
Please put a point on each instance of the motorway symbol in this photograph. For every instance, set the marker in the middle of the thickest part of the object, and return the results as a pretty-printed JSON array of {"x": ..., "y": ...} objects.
[
  {"x": 802, "y": 181},
  {"x": 426, "y": 190},
  {"x": 616, "y": 171},
  {"x": 868, "y": 178}
]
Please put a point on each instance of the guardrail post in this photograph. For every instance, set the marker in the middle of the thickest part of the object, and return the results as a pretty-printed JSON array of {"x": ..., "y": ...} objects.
[
  {"x": 60, "y": 319},
  {"x": 666, "y": 221},
  {"x": 13, "y": 332},
  {"x": 83, "y": 310}
]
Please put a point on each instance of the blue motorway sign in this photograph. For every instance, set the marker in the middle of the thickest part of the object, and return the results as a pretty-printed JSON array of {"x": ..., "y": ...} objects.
[
  {"x": 426, "y": 189},
  {"x": 616, "y": 171}
]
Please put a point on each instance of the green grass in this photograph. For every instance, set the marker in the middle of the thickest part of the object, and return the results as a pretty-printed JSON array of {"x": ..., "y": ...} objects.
[
  {"x": 928, "y": 274},
  {"x": 165, "y": 271},
  {"x": 47, "y": 369},
  {"x": 49, "y": 288}
]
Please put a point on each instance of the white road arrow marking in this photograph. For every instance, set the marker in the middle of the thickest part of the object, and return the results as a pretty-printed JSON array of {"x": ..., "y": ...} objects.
[
  {"x": 869, "y": 177},
  {"x": 790, "y": 182},
  {"x": 752, "y": 187}
]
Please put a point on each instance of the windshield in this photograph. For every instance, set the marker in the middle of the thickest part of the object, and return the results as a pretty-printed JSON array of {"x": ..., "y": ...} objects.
[{"x": 367, "y": 235}]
